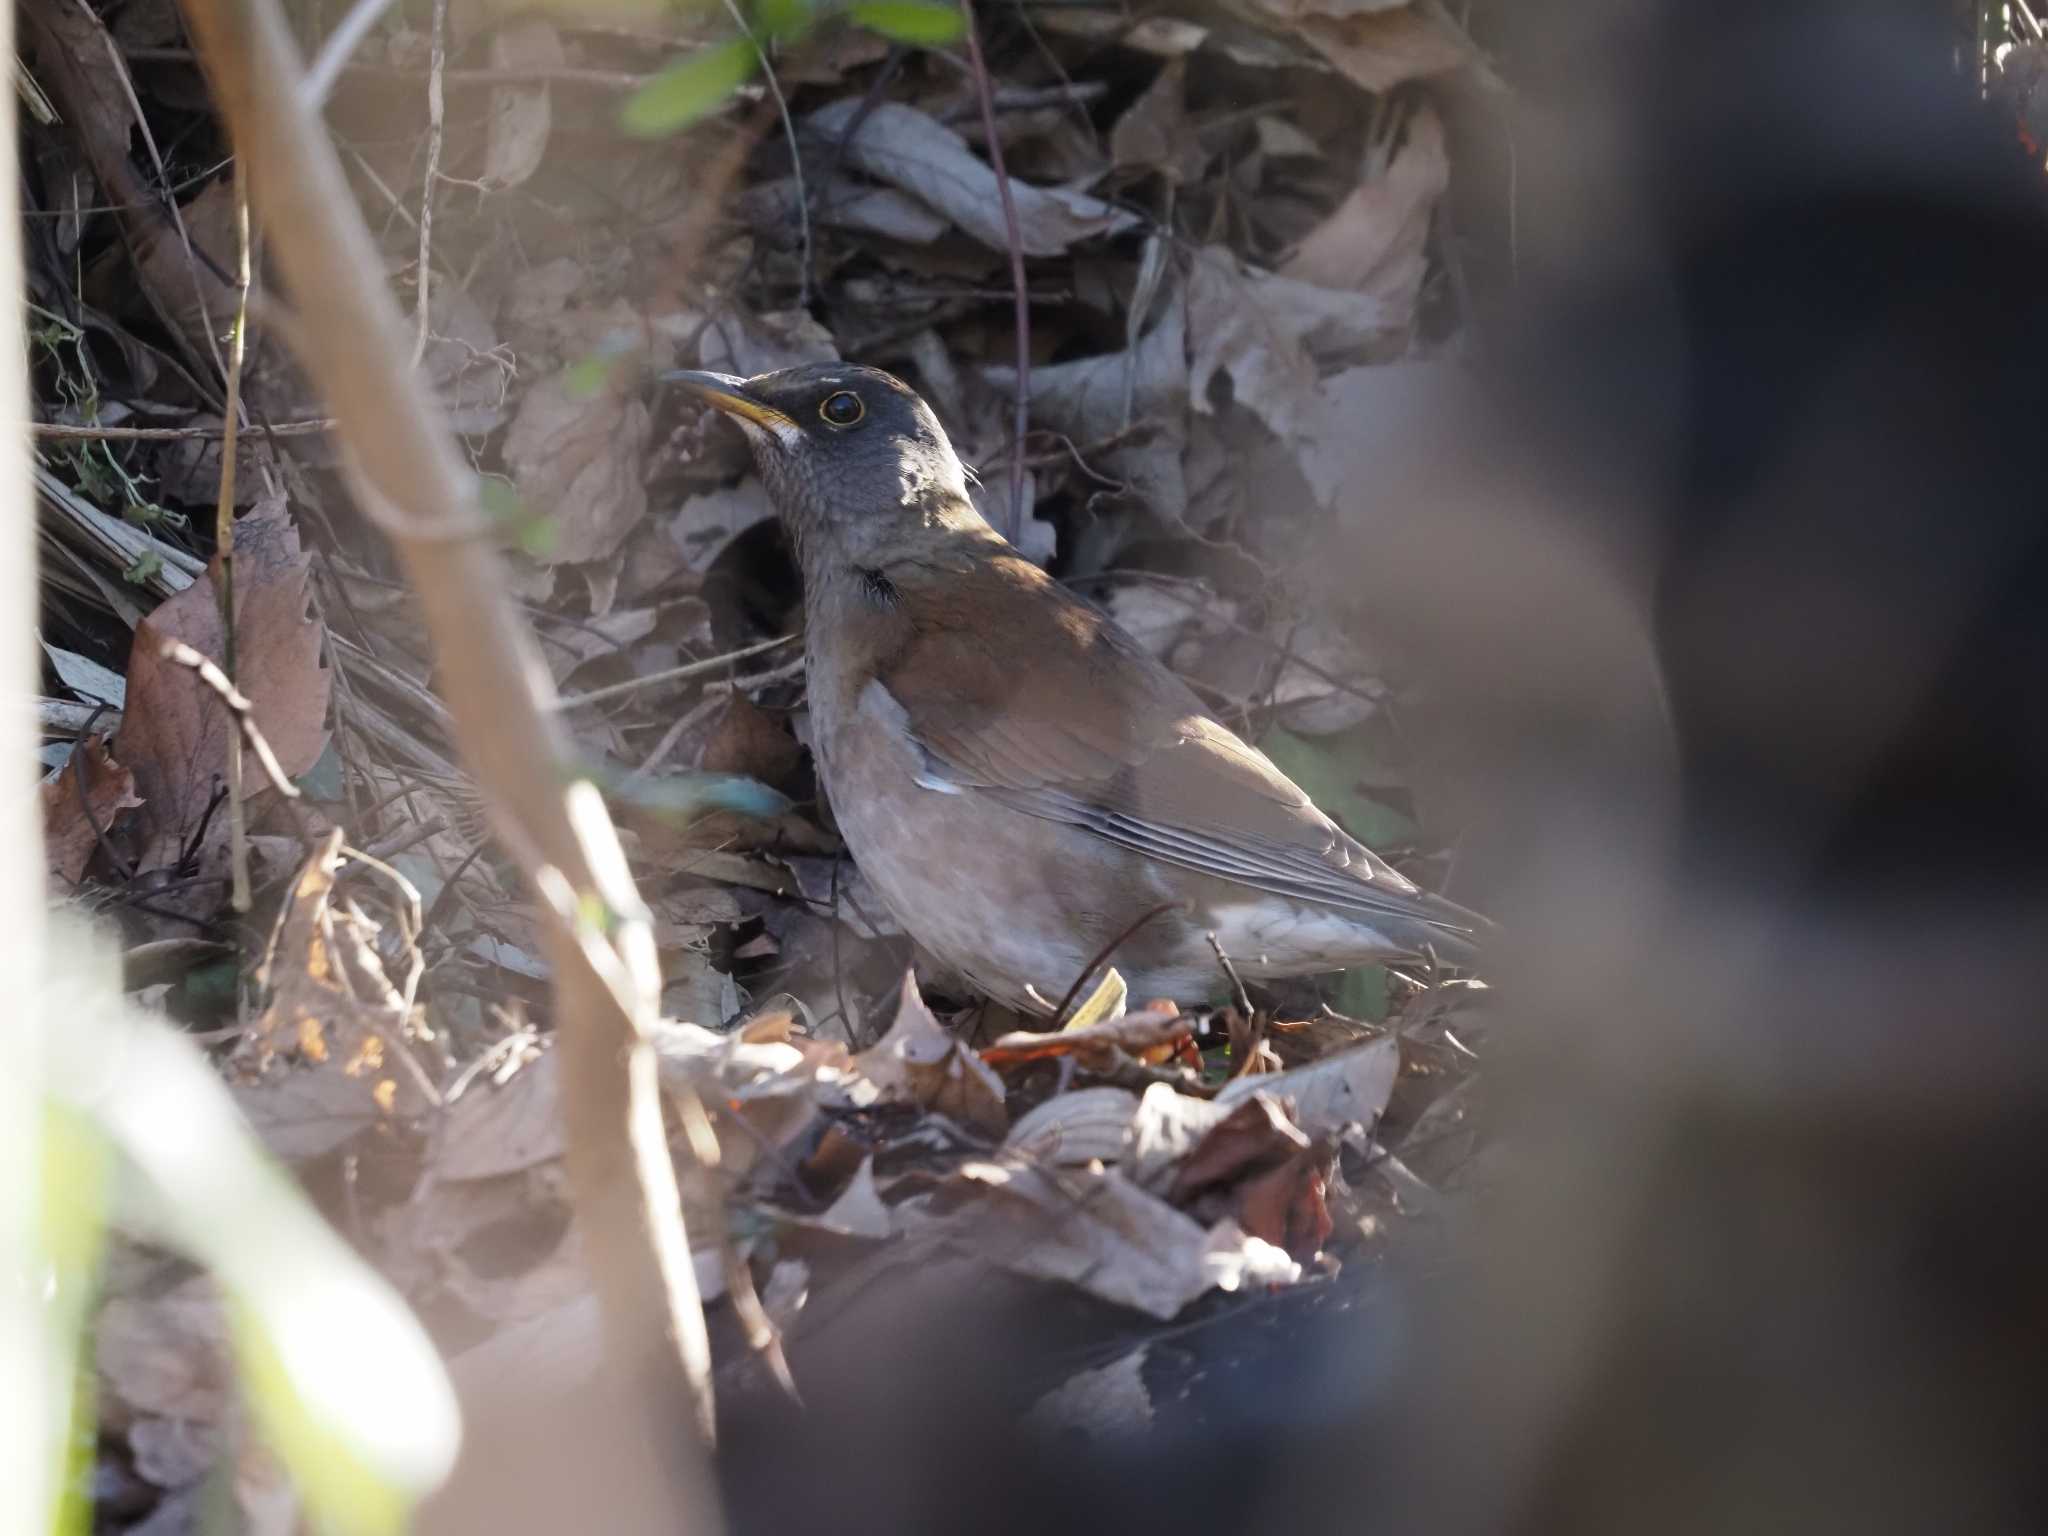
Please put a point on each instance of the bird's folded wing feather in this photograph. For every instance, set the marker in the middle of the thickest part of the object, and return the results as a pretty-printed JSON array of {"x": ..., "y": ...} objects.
[{"x": 1013, "y": 688}]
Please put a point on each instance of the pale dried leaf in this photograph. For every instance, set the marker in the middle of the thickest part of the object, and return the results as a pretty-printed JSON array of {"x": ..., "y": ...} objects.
[
  {"x": 501, "y": 1128},
  {"x": 704, "y": 526},
  {"x": 908, "y": 149},
  {"x": 917, "y": 1062},
  {"x": 173, "y": 1453},
  {"x": 859, "y": 1211},
  {"x": 1155, "y": 133},
  {"x": 167, "y": 1355},
  {"x": 1166, "y": 1128},
  {"x": 844, "y": 204},
  {"x": 1261, "y": 330},
  {"x": 1098, "y": 398},
  {"x": 580, "y": 462},
  {"x": 175, "y": 734},
  {"x": 70, "y": 815},
  {"x": 1377, "y": 44},
  {"x": 1348, "y": 1088},
  {"x": 522, "y": 115},
  {"x": 1096, "y": 1230},
  {"x": 747, "y": 344},
  {"x": 1071, "y": 1129},
  {"x": 1375, "y": 242},
  {"x": 1367, "y": 415},
  {"x": 1107, "y": 1400},
  {"x": 1281, "y": 140},
  {"x": 86, "y": 677}
]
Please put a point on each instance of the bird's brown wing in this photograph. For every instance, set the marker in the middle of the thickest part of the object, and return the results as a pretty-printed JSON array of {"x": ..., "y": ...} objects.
[{"x": 1015, "y": 689}]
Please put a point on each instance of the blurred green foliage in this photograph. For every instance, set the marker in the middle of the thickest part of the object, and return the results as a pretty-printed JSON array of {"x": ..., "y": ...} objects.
[{"x": 701, "y": 81}]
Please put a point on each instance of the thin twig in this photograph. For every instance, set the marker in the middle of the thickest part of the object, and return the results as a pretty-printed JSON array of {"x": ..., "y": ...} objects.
[
  {"x": 437, "y": 111},
  {"x": 1022, "y": 422},
  {"x": 1238, "y": 993},
  {"x": 796, "y": 155},
  {"x": 683, "y": 673},
  {"x": 95, "y": 432},
  {"x": 224, "y": 533},
  {"x": 240, "y": 708},
  {"x": 340, "y": 47},
  {"x": 409, "y": 476},
  {"x": 1088, "y": 971}
]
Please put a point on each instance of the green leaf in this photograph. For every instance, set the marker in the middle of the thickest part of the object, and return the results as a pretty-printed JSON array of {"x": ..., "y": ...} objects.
[
  {"x": 689, "y": 88},
  {"x": 916, "y": 22}
]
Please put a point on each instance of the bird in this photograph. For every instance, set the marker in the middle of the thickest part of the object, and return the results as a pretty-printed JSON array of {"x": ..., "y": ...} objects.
[{"x": 1019, "y": 780}]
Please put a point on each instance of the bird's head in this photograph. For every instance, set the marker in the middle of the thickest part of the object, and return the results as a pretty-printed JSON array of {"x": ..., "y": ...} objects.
[{"x": 853, "y": 458}]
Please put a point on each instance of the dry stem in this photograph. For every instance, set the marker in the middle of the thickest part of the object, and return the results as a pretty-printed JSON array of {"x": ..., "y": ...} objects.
[{"x": 409, "y": 478}]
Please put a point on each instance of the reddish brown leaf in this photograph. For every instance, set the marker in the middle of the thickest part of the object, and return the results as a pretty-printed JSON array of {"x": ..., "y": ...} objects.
[
  {"x": 71, "y": 813},
  {"x": 1286, "y": 1205},
  {"x": 1256, "y": 1137},
  {"x": 175, "y": 733}
]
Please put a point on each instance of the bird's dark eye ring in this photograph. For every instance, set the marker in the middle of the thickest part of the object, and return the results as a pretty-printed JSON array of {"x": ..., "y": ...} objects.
[{"x": 842, "y": 409}]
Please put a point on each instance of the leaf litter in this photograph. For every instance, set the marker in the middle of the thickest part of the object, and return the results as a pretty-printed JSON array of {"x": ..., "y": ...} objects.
[{"x": 1239, "y": 233}]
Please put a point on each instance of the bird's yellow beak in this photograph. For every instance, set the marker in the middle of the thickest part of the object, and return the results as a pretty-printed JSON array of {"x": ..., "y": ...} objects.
[{"x": 729, "y": 394}]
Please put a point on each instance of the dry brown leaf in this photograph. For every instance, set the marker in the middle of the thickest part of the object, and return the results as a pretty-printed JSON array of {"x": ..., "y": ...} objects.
[
  {"x": 917, "y": 1062},
  {"x": 1286, "y": 1205},
  {"x": 175, "y": 733},
  {"x": 70, "y": 813},
  {"x": 522, "y": 115},
  {"x": 1375, "y": 241},
  {"x": 1377, "y": 43},
  {"x": 750, "y": 741},
  {"x": 1252, "y": 1137},
  {"x": 1154, "y": 134},
  {"x": 579, "y": 461},
  {"x": 1132, "y": 1034},
  {"x": 908, "y": 149}
]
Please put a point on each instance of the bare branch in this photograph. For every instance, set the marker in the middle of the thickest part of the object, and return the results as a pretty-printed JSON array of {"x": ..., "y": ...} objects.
[{"x": 408, "y": 476}]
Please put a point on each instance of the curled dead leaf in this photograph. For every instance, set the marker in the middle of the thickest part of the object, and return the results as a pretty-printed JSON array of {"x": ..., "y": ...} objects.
[
  {"x": 917, "y": 1062},
  {"x": 88, "y": 792}
]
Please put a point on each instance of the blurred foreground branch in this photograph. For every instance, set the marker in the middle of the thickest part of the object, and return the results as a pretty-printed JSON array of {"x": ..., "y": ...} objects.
[{"x": 411, "y": 481}]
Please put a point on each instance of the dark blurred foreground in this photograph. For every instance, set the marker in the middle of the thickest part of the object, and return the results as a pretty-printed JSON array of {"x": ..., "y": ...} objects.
[{"x": 1732, "y": 589}]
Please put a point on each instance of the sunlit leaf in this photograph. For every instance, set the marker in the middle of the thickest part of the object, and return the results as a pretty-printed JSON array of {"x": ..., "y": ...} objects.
[
  {"x": 916, "y": 22},
  {"x": 694, "y": 85}
]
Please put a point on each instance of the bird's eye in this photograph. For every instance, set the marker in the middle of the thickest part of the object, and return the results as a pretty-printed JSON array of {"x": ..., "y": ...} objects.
[{"x": 842, "y": 409}]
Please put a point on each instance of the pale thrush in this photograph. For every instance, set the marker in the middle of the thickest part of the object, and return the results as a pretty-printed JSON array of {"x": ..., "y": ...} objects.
[{"x": 1018, "y": 778}]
